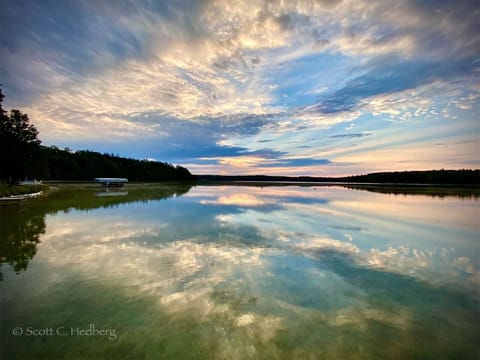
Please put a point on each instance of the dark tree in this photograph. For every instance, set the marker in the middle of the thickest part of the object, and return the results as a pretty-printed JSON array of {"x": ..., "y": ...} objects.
[
  {"x": 19, "y": 236},
  {"x": 18, "y": 144}
]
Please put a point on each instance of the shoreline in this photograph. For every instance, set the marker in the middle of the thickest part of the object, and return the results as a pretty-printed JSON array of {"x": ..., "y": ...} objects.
[
  {"x": 463, "y": 190},
  {"x": 22, "y": 196}
]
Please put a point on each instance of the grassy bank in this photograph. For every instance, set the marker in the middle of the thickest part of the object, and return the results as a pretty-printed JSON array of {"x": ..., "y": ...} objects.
[{"x": 6, "y": 190}]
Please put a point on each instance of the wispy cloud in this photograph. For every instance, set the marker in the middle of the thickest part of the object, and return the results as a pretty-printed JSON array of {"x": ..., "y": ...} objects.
[
  {"x": 350, "y": 135},
  {"x": 190, "y": 80}
]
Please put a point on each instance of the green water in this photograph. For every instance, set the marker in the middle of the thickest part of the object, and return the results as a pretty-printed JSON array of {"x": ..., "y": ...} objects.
[{"x": 241, "y": 272}]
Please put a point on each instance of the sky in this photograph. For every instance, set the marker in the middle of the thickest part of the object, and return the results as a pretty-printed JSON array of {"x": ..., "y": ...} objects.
[{"x": 319, "y": 88}]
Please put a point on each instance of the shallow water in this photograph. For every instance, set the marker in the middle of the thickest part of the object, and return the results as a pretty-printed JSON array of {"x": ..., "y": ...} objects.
[{"x": 238, "y": 272}]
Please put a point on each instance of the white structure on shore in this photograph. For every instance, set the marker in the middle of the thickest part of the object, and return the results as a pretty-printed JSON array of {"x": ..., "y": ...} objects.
[{"x": 111, "y": 181}]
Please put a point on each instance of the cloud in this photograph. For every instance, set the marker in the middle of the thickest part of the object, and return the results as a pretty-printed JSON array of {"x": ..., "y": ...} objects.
[
  {"x": 392, "y": 77},
  {"x": 352, "y": 135},
  {"x": 297, "y": 162},
  {"x": 190, "y": 79}
]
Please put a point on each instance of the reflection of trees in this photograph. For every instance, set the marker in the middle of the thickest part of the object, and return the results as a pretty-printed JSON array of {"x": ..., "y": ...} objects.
[
  {"x": 22, "y": 224},
  {"x": 19, "y": 235},
  {"x": 434, "y": 191}
]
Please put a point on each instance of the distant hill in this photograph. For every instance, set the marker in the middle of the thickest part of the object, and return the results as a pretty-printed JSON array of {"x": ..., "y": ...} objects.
[{"x": 454, "y": 177}]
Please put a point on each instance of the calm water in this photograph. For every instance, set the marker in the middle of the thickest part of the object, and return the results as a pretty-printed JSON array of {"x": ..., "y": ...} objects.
[{"x": 237, "y": 272}]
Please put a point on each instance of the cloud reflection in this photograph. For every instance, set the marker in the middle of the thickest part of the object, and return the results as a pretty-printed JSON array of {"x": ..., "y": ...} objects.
[{"x": 257, "y": 279}]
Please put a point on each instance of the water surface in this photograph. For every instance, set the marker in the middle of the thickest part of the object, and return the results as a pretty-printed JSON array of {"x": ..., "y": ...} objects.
[{"x": 238, "y": 272}]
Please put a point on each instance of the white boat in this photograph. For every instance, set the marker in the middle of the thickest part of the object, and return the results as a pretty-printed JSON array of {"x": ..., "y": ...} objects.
[{"x": 111, "y": 181}]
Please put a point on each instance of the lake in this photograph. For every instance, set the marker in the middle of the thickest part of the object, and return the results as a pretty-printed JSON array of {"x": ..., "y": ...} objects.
[{"x": 241, "y": 272}]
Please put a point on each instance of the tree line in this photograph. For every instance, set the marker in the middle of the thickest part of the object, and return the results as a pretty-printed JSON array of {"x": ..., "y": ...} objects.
[
  {"x": 22, "y": 156},
  {"x": 52, "y": 163},
  {"x": 457, "y": 177}
]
